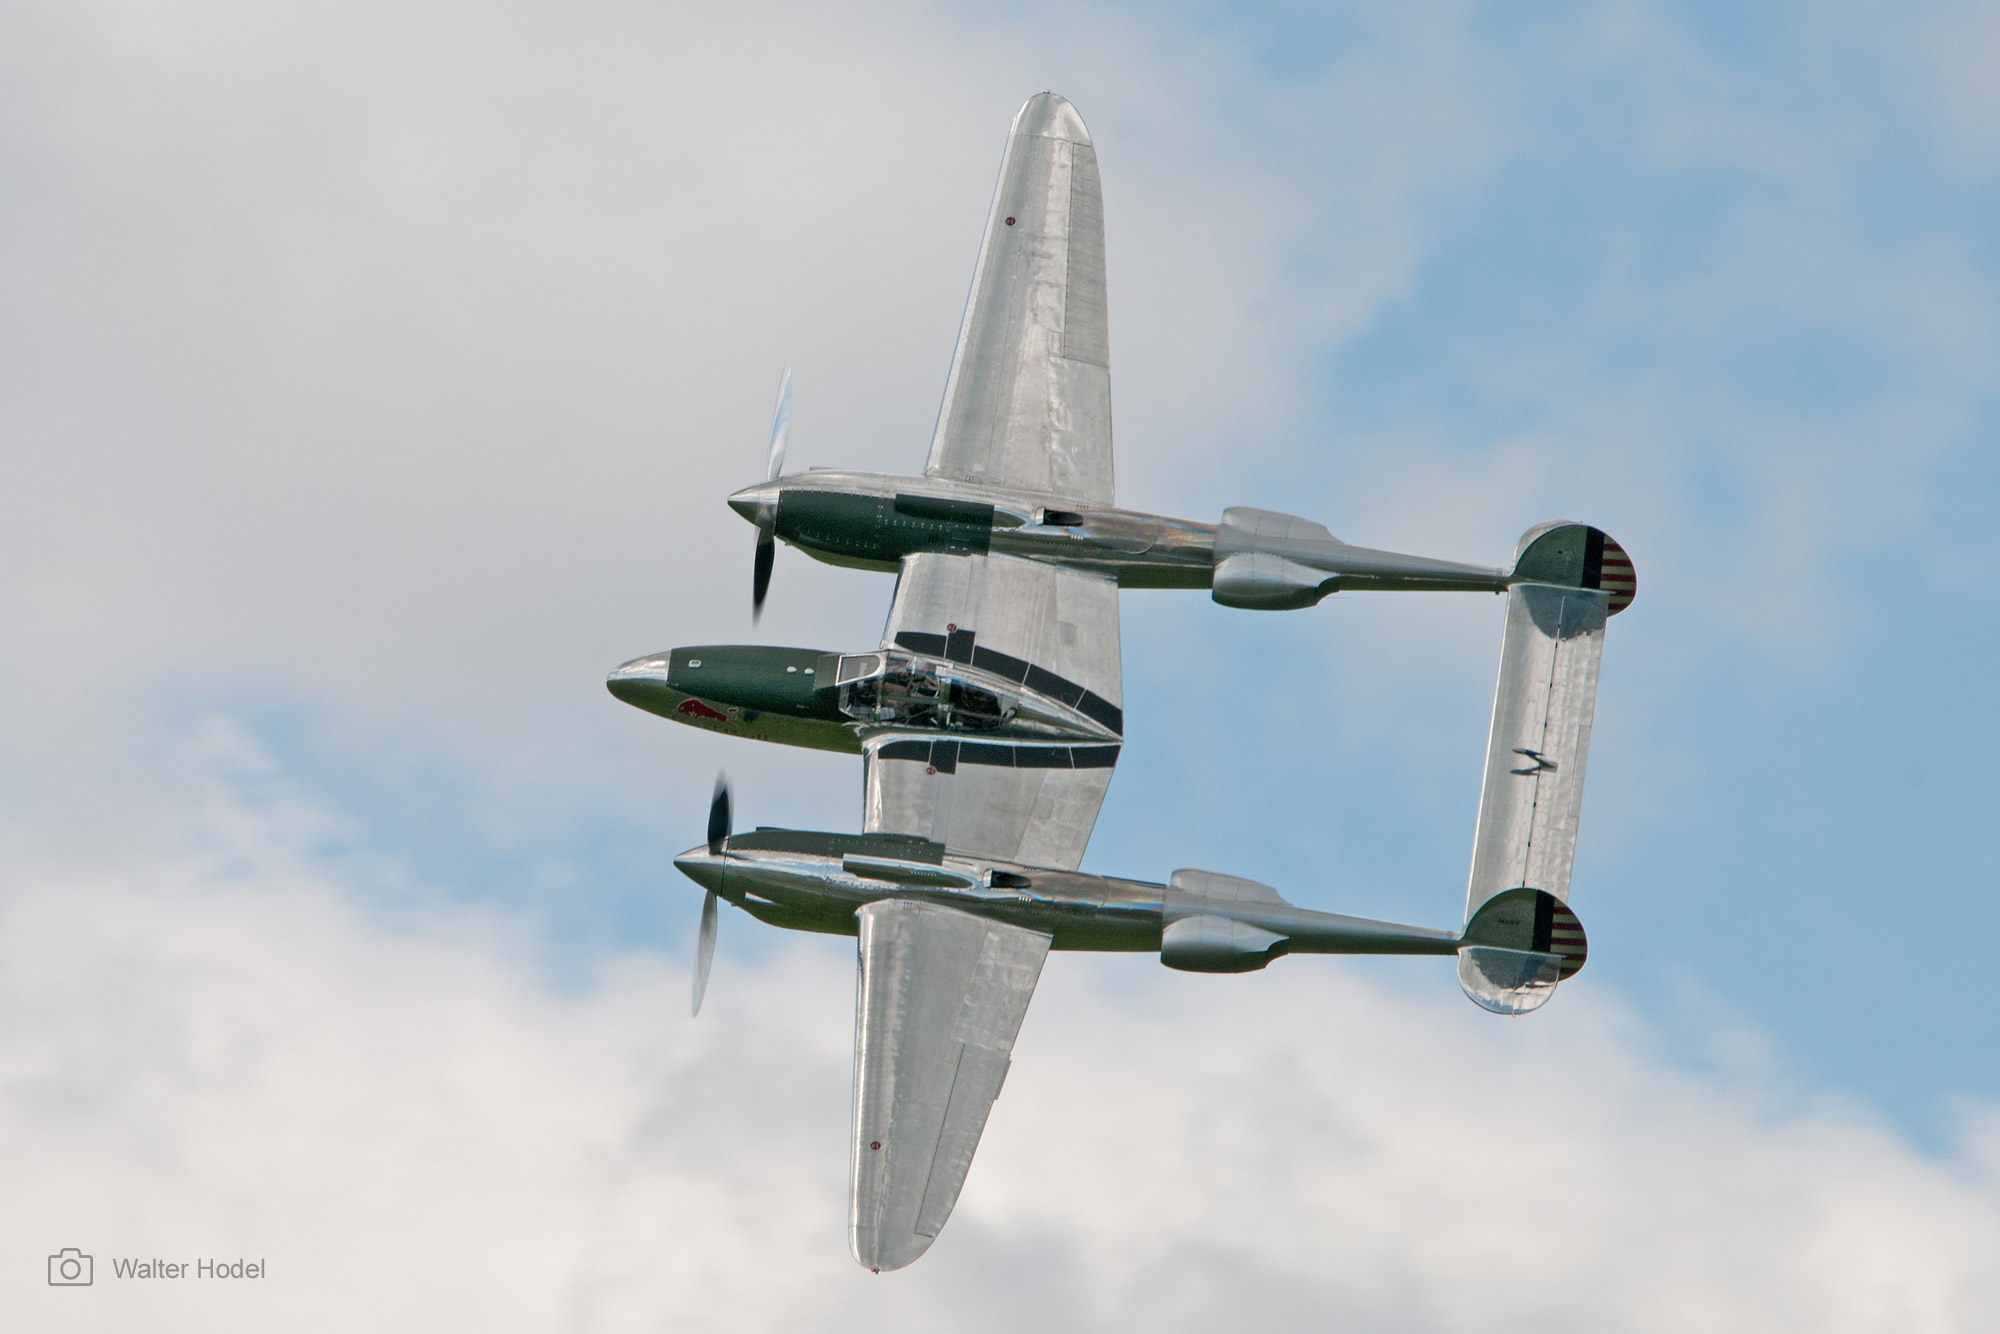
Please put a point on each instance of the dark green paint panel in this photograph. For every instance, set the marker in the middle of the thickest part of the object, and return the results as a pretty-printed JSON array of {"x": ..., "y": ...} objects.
[
  {"x": 839, "y": 921},
  {"x": 878, "y": 528},
  {"x": 898, "y": 847},
  {"x": 750, "y": 676}
]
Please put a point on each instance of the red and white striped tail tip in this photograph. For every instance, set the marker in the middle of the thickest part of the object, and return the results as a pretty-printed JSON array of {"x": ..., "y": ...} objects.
[
  {"x": 1614, "y": 572},
  {"x": 1576, "y": 555},
  {"x": 1532, "y": 921},
  {"x": 1566, "y": 939}
]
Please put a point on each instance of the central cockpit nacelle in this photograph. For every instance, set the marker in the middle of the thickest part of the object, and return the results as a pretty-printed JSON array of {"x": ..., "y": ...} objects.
[
  {"x": 896, "y": 688},
  {"x": 800, "y": 696}
]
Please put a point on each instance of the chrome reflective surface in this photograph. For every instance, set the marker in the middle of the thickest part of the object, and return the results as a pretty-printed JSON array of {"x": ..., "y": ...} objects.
[
  {"x": 900, "y": 690},
  {"x": 1028, "y": 402},
  {"x": 1508, "y": 981},
  {"x": 1137, "y": 549},
  {"x": 1061, "y": 627},
  {"x": 941, "y": 997},
  {"x": 1078, "y": 911},
  {"x": 1276, "y": 557},
  {"x": 1532, "y": 795},
  {"x": 992, "y": 714},
  {"x": 1543, "y": 704}
]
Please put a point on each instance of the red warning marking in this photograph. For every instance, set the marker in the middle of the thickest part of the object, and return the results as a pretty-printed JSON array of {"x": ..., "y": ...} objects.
[
  {"x": 694, "y": 708},
  {"x": 874, "y": 1143},
  {"x": 1619, "y": 578},
  {"x": 1010, "y": 222},
  {"x": 1566, "y": 939}
]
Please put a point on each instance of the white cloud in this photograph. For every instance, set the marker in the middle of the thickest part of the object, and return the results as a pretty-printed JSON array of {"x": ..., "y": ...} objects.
[
  {"x": 402, "y": 356},
  {"x": 414, "y": 1128},
  {"x": 387, "y": 365},
  {"x": 392, "y": 362}
]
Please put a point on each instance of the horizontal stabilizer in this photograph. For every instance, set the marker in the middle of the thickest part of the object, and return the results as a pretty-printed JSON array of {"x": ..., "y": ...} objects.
[
  {"x": 1542, "y": 707},
  {"x": 1525, "y": 845}
]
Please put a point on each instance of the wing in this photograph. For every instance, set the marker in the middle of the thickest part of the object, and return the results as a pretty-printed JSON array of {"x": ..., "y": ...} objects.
[
  {"x": 1028, "y": 402},
  {"x": 1055, "y": 631},
  {"x": 942, "y": 995}
]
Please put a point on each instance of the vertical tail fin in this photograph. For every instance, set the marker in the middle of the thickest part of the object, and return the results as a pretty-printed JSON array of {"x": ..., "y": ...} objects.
[{"x": 1533, "y": 792}]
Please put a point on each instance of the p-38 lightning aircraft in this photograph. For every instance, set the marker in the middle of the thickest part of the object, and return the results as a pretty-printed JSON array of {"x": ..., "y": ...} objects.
[{"x": 989, "y": 718}]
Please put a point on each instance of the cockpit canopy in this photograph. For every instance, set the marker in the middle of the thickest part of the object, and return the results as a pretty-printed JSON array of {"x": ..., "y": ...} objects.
[{"x": 895, "y": 689}]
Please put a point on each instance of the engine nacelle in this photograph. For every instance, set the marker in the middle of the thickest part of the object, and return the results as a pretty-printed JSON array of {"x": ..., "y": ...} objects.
[
  {"x": 1260, "y": 560},
  {"x": 1260, "y": 581},
  {"x": 1207, "y": 944},
  {"x": 1200, "y": 936}
]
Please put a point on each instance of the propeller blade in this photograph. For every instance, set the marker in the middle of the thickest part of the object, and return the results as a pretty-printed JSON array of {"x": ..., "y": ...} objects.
[
  {"x": 760, "y": 580},
  {"x": 704, "y": 950},
  {"x": 718, "y": 816},
  {"x": 781, "y": 426}
]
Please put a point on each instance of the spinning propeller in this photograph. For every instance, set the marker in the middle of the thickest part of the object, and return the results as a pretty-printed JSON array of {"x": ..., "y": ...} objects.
[
  {"x": 718, "y": 831},
  {"x": 767, "y": 538}
]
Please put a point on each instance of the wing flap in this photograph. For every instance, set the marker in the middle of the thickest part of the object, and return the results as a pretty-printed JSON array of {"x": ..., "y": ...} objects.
[
  {"x": 1030, "y": 804},
  {"x": 941, "y": 998}
]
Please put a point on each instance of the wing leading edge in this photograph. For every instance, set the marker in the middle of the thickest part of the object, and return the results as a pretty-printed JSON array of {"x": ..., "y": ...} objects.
[{"x": 941, "y": 998}]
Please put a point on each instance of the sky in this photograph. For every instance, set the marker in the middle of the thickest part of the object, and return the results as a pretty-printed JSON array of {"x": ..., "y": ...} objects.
[{"x": 371, "y": 378}]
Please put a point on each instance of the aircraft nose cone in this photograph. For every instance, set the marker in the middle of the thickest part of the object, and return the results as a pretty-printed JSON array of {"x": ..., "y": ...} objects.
[
  {"x": 758, "y": 504},
  {"x": 639, "y": 680},
  {"x": 699, "y": 866}
]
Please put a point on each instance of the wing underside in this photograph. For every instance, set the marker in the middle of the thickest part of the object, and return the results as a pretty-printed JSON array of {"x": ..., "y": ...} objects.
[
  {"x": 941, "y": 997},
  {"x": 1034, "y": 625},
  {"x": 1028, "y": 401}
]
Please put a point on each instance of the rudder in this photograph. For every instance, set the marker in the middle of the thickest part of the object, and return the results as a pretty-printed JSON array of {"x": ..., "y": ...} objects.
[{"x": 1517, "y": 947}]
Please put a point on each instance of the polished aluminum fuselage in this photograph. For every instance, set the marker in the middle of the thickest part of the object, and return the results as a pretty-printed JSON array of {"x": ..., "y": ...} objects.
[
  {"x": 1139, "y": 550},
  {"x": 813, "y": 891},
  {"x": 1136, "y": 549}
]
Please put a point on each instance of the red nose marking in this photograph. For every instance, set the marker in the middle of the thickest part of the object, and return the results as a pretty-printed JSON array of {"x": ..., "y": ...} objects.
[
  {"x": 1010, "y": 222},
  {"x": 694, "y": 708}
]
